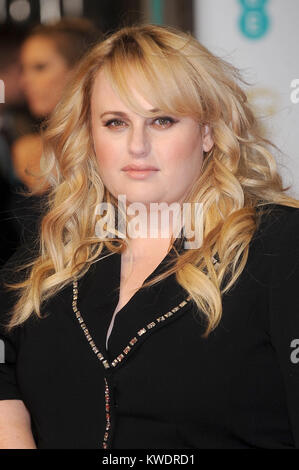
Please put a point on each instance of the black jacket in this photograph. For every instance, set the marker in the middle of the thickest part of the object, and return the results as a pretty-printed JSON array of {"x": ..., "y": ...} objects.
[{"x": 169, "y": 387}]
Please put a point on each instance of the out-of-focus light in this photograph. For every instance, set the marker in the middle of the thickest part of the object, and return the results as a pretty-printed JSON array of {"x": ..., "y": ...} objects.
[
  {"x": 2, "y": 11},
  {"x": 2, "y": 92},
  {"x": 20, "y": 10},
  {"x": 73, "y": 7},
  {"x": 49, "y": 11}
]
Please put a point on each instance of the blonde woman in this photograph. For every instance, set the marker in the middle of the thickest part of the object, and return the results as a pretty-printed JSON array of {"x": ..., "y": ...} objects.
[{"x": 120, "y": 341}]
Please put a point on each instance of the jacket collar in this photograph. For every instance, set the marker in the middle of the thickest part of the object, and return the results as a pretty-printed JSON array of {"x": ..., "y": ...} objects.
[{"x": 98, "y": 295}]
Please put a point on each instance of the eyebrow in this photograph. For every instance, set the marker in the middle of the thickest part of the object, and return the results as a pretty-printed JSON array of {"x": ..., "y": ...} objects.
[{"x": 122, "y": 114}]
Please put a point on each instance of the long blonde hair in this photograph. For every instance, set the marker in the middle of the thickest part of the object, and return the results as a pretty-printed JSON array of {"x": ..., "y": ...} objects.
[{"x": 239, "y": 173}]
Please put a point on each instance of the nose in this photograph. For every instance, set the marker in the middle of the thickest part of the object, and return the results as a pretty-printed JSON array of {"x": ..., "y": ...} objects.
[{"x": 138, "y": 141}]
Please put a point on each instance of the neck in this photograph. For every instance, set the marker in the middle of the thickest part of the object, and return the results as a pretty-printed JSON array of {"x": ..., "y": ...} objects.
[{"x": 142, "y": 248}]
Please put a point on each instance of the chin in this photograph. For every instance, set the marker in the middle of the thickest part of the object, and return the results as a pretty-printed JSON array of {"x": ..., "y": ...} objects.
[{"x": 39, "y": 111}]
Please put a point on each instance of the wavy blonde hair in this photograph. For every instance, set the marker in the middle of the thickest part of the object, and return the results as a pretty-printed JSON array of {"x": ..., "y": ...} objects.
[{"x": 239, "y": 174}]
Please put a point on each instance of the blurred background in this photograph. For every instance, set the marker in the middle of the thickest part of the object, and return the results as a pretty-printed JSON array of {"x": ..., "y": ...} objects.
[{"x": 41, "y": 42}]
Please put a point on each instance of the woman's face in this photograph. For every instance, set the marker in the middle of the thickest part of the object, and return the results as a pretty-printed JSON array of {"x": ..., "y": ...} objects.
[
  {"x": 44, "y": 74},
  {"x": 167, "y": 151}
]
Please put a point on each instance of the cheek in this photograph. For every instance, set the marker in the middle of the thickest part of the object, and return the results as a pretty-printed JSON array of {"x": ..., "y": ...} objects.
[
  {"x": 58, "y": 79},
  {"x": 184, "y": 156},
  {"x": 106, "y": 153}
]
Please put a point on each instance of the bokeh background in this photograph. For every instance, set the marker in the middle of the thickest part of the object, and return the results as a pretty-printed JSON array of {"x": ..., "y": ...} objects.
[{"x": 258, "y": 36}]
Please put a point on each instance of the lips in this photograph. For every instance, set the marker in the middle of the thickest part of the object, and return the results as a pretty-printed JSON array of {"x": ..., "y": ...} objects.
[{"x": 139, "y": 168}]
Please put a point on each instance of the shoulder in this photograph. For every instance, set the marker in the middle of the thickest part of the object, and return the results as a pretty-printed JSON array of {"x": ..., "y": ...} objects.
[
  {"x": 26, "y": 154},
  {"x": 27, "y": 143},
  {"x": 274, "y": 248},
  {"x": 277, "y": 228}
]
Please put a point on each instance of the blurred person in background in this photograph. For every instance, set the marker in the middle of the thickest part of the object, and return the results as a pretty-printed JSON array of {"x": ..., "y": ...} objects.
[
  {"x": 14, "y": 120},
  {"x": 48, "y": 56}
]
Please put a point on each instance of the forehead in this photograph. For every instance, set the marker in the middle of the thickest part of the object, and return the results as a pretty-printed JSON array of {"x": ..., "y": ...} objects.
[
  {"x": 104, "y": 96},
  {"x": 38, "y": 47}
]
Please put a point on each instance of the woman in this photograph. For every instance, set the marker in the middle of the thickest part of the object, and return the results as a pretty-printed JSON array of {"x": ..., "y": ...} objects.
[
  {"x": 122, "y": 341},
  {"x": 48, "y": 58}
]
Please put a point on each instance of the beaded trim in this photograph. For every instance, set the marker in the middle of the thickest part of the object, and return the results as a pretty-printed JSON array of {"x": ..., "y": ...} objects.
[
  {"x": 107, "y": 410},
  {"x": 132, "y": 342},
  {"x": 121, "y": 356},
  {"x": 126, "y": 350}
]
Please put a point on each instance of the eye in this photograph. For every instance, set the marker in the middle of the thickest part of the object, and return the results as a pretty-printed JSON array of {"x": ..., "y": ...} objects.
[
  {"x": 40, "y": 66},
  {"x": 114, "y": 123},
  {"x": 165, "y": 121},
  {"x": 161, "y": 122}
]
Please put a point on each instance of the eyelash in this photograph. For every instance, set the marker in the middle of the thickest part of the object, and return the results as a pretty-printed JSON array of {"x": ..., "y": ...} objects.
[{"x": 163, "y": 118}]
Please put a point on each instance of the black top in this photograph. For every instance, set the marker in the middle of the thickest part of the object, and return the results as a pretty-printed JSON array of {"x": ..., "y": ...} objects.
[{"x": 169, "y": 387}]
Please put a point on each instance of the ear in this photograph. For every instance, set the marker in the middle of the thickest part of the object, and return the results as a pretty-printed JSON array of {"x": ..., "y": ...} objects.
[{"x": 207, "y": 139}]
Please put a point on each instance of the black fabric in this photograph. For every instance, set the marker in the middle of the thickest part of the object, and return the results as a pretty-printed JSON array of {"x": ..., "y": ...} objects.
[
  {"x": 238, "y": 388},
  {"x": 8, "y": 233},
  {"x": 20, "y": 218}
]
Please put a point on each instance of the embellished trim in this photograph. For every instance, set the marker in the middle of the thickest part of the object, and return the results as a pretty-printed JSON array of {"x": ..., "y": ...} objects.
[
  {"x": 107, "y": 410},
  {"x": 132, "y": 342},
  {"x": 122, "y": 355}
]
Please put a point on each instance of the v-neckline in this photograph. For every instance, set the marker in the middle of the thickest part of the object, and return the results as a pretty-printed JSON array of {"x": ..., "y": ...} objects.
[
  {"x": 98, "y": 292},
  {"x": 157, "y": 270}
]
